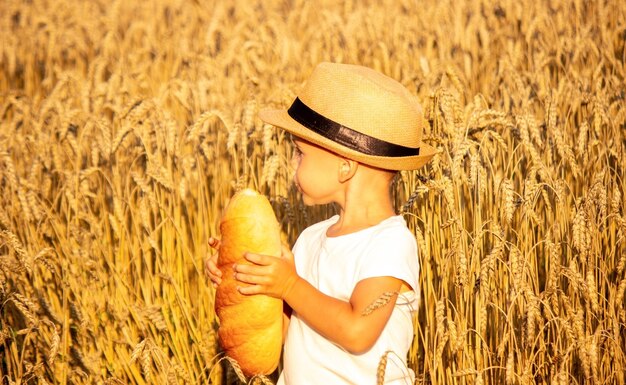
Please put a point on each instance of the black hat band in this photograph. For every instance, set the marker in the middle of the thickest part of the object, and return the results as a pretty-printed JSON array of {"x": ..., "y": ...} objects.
[{"x": 345, "y": 136}]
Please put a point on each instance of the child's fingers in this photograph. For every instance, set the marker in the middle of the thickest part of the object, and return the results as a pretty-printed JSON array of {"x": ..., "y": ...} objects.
[
  {"x": 211, "y": 271},
  {"x": 249, "y": 270},
  {"x": 251, "y": 279},
  {"x": 250, "y": 290},
  {"x": 253, "y": 274},
  {"x": 210, "y": 266},
  {"x": 258, "y": 259},
  {"x": 214, "y": 243}
]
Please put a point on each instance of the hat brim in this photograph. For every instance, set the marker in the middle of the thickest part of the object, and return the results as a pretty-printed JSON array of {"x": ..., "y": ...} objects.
[{"x": 280, "y": 118}]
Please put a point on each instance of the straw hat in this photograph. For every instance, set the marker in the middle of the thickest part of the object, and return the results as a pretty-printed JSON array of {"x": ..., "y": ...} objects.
[{"x": 358, "y": 113}]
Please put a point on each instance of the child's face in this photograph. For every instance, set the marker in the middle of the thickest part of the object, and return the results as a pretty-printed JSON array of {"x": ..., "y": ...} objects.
[{"x": 316, "y": 173}]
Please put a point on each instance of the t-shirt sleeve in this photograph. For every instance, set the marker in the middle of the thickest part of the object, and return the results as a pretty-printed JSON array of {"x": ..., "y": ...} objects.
[{"x": 392, "y": 252}]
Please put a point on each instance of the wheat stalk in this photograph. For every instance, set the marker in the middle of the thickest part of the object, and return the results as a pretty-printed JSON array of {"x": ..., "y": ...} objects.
[
  {"x": 382, "y": 366},
  {"x": 379, "y": 302}
]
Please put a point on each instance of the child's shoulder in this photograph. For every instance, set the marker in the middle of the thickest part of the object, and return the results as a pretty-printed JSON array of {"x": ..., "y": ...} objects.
[{"x": 393, "y": 225}]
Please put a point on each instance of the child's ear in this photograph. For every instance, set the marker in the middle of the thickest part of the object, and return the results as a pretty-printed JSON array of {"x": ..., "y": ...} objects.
[{"x": 347, "y": 169}]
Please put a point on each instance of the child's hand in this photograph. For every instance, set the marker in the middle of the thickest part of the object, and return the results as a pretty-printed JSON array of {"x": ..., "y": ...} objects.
[
  {"x": 274, "y": 276},
  {"x": 211, "y": 270}
]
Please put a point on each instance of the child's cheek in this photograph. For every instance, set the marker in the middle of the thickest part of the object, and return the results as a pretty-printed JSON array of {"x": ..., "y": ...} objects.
[
  {"x": 297, "y": 182},
  {"x": 295, "y": 162}
]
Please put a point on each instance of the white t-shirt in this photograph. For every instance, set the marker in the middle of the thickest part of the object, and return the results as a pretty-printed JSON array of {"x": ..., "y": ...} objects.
[{"x": 334, "y": 265}]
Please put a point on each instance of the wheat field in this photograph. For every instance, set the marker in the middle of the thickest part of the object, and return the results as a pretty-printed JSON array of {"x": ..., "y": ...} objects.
[{"x": 125, "y": 126}]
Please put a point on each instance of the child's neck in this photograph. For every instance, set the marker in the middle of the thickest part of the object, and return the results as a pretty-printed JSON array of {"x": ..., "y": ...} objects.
[
  {"x": 360, "y": 213},
  {"x": 364, "y": 200}
]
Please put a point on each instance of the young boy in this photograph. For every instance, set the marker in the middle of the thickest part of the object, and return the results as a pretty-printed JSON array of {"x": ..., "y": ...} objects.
[{"x": 352, "y": 280}]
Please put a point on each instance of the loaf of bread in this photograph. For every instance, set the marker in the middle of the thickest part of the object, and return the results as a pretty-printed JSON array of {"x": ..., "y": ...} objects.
[{"x": 250, "y": 328}]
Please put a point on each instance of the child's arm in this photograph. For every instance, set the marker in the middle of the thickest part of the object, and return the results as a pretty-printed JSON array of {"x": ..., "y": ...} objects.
[{"x": 354, "y": 325}]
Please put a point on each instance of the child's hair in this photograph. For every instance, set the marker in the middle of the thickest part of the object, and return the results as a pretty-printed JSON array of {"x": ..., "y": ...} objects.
[{"x": 358, "y": 113}]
